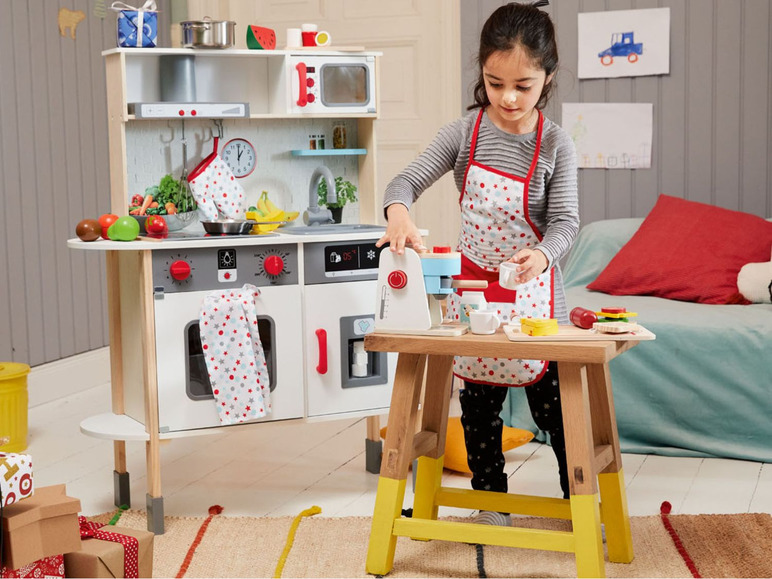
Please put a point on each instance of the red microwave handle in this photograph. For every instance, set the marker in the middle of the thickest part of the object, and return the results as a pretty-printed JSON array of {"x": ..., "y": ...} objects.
[
  {"x": 321, "y": 336},
  {"x": 303, "y": 83}
]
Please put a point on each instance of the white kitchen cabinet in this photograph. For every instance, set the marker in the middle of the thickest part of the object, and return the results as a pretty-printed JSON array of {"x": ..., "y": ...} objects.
[{"x": 259, "y": 79}]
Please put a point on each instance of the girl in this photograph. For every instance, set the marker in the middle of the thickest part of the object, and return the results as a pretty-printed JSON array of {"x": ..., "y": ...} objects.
[{"x": 516, "y": 174}]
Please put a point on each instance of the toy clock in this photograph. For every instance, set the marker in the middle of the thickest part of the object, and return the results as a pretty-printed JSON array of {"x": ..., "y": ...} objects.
[{"x": 240, "y": 156}]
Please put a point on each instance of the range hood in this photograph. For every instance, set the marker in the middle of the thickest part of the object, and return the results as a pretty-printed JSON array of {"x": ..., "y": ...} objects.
[{"x": 170, "y": 110}]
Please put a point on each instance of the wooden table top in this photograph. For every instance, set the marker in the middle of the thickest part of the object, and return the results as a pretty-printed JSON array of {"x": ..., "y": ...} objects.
[{"x": 498, "y": 346}]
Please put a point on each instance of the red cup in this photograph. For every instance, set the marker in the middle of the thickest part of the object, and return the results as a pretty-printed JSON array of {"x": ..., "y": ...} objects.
[{"x": 309, "y": 38}]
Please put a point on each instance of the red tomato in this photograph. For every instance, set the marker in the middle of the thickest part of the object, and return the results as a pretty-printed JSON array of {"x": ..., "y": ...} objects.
[
  {"x": 156, "y": 226},
  {"x": 105, "y": 221}
]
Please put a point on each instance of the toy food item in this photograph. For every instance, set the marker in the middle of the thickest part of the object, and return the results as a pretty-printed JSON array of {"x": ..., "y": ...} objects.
[
  {"x": 88, "y": 230},
  {"x": 156, "y": 226},
  {"x": 125, "y": 228},
  {"x": 614, "y": 315},
  {"x": 583, "y": 318},
  {"x": 539, "y": 326},
  {"x": 261, "y": 38},
  {"x": 106, "y": 221}
]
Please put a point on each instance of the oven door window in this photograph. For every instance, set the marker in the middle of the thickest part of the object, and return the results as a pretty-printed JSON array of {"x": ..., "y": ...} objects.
[
  {"x": 197, "y": 385},
  {"x": 344, "y": 85}
]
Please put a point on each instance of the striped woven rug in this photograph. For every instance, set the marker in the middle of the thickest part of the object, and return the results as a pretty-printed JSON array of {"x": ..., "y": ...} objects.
[{"x": 665, "y": 546}]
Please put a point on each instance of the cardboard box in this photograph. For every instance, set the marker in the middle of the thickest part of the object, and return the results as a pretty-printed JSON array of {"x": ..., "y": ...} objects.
[
  {"x": 98, "y": 558},
  {"x": 43, "y": 525},
  {"x": 48, "y": 567},
  {"x": 15, "y": 477}
]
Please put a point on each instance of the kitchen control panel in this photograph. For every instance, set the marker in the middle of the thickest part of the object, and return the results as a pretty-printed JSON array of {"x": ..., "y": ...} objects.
[
  {"x": 204, "y": 268},
  {"x": 341, "y": 261}
]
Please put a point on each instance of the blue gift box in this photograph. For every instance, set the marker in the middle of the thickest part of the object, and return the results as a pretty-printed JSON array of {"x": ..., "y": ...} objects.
[{"x": 137, "y": 28}]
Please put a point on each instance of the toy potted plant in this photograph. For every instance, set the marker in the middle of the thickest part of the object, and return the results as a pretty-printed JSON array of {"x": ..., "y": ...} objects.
[{"x": 346, "y": 193}]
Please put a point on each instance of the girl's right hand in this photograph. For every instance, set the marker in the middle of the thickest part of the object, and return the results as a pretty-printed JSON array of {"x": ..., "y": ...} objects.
[{"x": 400, "y": 230}]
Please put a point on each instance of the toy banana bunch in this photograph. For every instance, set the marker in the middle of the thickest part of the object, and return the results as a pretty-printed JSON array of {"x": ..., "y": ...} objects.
[{"x": 267, "y": 210}]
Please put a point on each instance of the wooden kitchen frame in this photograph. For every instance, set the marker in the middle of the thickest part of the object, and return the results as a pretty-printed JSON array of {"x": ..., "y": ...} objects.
[{"x": 129, "y": 267}]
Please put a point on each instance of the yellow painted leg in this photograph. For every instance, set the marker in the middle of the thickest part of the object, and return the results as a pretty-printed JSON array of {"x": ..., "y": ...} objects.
[
  {"x": 613, "y": 496},
  {"x": 428, "y": 480},
  {"x": 585, "y": 515},
  {"x": 388, "y": 506}
]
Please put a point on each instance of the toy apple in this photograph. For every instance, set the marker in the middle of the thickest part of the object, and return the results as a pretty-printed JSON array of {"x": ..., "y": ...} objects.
[
  {"x": 105, "y": 221},
  {"x": 124, "y": 229},
  {"x": 156, "y": 226}
]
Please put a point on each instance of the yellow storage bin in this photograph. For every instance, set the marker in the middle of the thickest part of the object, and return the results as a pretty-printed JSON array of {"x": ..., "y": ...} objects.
[{"x": 13, "y": 406}]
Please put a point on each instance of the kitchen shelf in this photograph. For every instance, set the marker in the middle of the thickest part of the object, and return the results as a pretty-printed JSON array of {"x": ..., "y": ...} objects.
[
  {"x": 326, "y": 152},
  {"x": 266, "y": 116}
]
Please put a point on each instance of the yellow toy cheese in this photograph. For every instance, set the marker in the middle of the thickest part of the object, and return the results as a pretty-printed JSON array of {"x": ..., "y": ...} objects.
[{"x": 539, "y": 327}]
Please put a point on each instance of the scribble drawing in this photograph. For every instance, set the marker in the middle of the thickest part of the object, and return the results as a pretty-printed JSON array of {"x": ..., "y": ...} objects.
[{"x": 622, "y": 44}]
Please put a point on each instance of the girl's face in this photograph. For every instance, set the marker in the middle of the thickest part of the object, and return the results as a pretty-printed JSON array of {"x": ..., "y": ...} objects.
[{"x": 513, "y": 87}]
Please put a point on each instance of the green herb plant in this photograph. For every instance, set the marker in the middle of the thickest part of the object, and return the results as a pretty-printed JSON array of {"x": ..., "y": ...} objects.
[
  {"x": 170, "y": 190},
  {"x": 345, "y": 189}
]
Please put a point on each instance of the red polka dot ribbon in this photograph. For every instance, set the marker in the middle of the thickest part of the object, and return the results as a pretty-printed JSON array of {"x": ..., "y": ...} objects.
[{"x": 90, "y": 530}]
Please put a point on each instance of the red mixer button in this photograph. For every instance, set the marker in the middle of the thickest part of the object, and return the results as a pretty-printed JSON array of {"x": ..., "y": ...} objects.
[
  {"x": 273, "y": 265},
  {"x": 397, "y": 279},
  {"x": 311, "y": 98},
  {"x": 180, "y": 270},
  {"x": 193, "y": 112},
  {"x": 310, "y": 82},
  {"x": 182, "y": 113}
]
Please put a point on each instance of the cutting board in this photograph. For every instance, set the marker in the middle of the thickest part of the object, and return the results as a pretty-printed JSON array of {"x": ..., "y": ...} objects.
[{"x": 573, "y": 334}]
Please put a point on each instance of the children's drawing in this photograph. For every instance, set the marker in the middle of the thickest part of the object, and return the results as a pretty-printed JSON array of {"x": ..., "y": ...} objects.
[
  {"x": 610, "y": 135},
  {"x": 624, "y": 43}
]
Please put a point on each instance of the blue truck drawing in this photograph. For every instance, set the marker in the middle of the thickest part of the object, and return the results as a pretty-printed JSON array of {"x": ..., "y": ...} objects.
[{"x": 622, "y": 44}]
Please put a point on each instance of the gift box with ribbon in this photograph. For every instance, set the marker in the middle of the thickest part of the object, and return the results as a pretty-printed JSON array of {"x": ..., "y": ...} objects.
[
  {"x": 15, "y": 478},
  {"x": 46, "y": 567},
  {"x": 137, "y": 25},
  {"x": 110, "y": 551},
  {"x": 43, "y": 525}
]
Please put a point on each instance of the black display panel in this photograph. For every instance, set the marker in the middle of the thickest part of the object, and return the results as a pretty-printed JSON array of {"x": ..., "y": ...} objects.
[{"x": 352, "y": 257}]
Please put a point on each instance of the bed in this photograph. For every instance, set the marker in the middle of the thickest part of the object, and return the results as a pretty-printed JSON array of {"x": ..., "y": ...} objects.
[{"x": 702, "y": 388}]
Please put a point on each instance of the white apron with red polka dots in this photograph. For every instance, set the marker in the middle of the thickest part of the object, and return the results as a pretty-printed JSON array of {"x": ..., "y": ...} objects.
[{"x": 494, "y": 226}]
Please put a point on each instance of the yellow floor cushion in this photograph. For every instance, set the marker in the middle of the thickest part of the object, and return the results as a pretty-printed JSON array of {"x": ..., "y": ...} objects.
[{"x": 455, "y": 450}]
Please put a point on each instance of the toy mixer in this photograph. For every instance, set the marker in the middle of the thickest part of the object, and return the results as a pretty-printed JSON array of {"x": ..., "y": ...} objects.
[{"x": 411, "y": 287}]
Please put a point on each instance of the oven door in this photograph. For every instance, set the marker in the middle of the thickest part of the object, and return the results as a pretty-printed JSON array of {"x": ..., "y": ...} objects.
[
  {"x": 185, "y": 399},
  {"x": 332, "y": 84}
]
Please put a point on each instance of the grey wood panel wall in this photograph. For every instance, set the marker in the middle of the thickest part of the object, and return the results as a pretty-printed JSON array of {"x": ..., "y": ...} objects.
[
  {"x": 712, "y": 113},
  {"x": 53, "y": 173}
]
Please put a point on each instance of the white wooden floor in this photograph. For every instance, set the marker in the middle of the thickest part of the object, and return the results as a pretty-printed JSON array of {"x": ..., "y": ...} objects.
[{"x": 282, "y": 468}]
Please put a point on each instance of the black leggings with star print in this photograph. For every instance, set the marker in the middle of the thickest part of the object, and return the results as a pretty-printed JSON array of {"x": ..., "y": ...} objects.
[{"x": 480, "y": 416}]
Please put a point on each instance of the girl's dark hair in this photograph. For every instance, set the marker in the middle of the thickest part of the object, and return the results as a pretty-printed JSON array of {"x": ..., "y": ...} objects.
[{"x": 518, "y": 24}]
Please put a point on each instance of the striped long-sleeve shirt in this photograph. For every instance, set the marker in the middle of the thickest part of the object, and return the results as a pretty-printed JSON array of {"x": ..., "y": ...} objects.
[{"x": 552, "y": 197}]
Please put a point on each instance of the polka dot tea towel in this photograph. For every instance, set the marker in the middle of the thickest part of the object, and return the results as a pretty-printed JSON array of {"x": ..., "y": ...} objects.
[{"x": 234, "y": 354}]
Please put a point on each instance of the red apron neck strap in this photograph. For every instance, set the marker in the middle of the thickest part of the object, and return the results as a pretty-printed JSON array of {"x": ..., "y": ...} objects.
[{"x": 216, "y": 145}]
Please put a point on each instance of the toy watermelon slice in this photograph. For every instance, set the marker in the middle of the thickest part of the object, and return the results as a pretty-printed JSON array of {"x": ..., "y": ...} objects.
[{"x": 261, "y": 38}]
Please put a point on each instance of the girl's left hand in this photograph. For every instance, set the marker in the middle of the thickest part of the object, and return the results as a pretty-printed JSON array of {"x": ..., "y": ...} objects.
[{"x": 531, "y": 262}]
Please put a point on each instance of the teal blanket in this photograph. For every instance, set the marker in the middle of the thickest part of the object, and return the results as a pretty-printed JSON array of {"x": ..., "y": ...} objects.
[{"x": 702, "y": 388}]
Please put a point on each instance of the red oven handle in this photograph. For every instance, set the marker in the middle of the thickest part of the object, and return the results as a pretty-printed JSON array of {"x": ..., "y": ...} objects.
[
  {"x": 302, "y": 82},
  {"x": 321, "y": 336}
]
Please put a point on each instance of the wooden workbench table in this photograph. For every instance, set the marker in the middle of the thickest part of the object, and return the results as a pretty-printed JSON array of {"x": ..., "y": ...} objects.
[{"x": 592, "y": 449}]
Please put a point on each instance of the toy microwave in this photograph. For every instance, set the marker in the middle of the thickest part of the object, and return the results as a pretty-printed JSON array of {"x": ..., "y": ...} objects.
[{"x": 332, "y": 84}]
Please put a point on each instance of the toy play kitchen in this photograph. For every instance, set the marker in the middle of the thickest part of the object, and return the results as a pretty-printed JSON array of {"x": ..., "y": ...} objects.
[{"x": 312, "y": 285}]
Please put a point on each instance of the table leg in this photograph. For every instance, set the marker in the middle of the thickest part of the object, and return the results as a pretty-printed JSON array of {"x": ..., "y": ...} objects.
[
  {"x": 436, "y": 405},
  {"x": 580, "y": 454},
  {"x": 397, "y": 454},
  {"x": 121, "y": 482},
  {"x": 611, "y": 479}
]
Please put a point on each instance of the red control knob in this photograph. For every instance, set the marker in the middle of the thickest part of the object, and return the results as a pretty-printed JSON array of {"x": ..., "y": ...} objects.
[
  {"x": 397, "y": 279},
  {"x": 180, "y": 270},
  {"x": 273, "y": 265},
  {"x": 311, "y": 97}
]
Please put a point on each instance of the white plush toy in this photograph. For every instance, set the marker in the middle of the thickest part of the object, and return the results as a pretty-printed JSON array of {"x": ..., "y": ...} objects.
[{"x": 755, "y": 282}]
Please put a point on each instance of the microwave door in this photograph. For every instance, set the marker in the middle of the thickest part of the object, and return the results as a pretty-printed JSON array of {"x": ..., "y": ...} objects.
[{"x": 345, "y": 85}]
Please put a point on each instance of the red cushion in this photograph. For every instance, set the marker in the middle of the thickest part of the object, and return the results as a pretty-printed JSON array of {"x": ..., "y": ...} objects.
[{"x": 687, "y": 251}]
